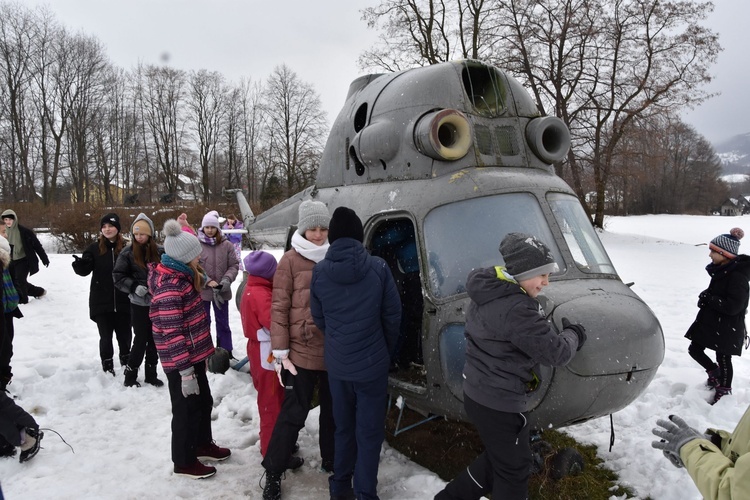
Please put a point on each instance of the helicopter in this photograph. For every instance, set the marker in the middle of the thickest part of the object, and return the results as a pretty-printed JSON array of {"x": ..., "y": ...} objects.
[{"x": 441, "y": 162}]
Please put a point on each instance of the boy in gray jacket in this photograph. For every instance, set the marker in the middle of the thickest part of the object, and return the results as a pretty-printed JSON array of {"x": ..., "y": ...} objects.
[{"x": 506, "y": 336}]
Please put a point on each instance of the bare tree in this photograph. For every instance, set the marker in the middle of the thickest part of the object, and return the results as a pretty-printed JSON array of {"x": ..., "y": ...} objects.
[
  {"x": 163, "y": 96},
  {"x": 296, "y": 126},
  {"x": 18, "y": 29},
  {"x": 596, "y": 64},
  {"x": 205, "y": 102}
]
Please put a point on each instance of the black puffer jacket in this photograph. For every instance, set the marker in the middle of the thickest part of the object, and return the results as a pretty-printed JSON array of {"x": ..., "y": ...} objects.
[
  {"x": 720, "y": 324},
  {"x": 506, "y": 336},
  {"x": 103, "y": 297},
  {"x": 128, "y": 275}
]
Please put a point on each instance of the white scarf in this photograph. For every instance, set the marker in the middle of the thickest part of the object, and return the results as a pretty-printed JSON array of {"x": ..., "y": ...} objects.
[{"x": 308, "y": 249}]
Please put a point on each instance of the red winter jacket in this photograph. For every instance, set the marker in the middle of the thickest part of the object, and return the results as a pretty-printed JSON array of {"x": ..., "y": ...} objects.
[{"x": 181, "y": 328}]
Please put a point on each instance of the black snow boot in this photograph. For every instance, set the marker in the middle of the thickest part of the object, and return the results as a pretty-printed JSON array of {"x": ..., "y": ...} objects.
[
  {"x": 131, "y": 377},
  {"x": 124, "y": 358},
  {"x": 272, "y": 490},
  {"x": 151, "y": 377},
  {"x": 32, "y": 445},
  {"x": 108, "y": 366}
]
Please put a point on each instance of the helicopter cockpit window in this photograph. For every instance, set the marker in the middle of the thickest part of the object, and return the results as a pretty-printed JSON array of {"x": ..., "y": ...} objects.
[
  {"x": 485, "y": 88},
  {"x": 466, "y": 235},
  {"x": 584, "y": 244}
]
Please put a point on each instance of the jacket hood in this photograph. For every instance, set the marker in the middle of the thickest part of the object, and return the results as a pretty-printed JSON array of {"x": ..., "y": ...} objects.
[
  {"x": 487, "y": 284},
  {"x": 346, "y": 261},
  {"x": 11, "y": 213}
]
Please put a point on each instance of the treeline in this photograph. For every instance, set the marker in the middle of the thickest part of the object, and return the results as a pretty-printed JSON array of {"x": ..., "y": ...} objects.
[{"x": 74, "y": 127}]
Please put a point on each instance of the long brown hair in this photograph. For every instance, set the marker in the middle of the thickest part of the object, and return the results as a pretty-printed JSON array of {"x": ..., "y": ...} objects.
[
  {"x": 119, "y": 244},
  {"x": 145, "y": 253},
  {"x": 198, "y": 274}
]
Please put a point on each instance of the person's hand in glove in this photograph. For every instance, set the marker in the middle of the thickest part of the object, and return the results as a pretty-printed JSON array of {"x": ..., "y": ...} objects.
[
  {"x": 226, "y": 286},
  {"x": 218, "y": 299},
  {"x": 704, "y": 298},
  {"x": 579, "y": 330},
  {"x": 282, "y": 362},
  {"x": 141, "y": 290},
  {"x": 189, "y": 382},
  {"x": 674, "y": 434}
]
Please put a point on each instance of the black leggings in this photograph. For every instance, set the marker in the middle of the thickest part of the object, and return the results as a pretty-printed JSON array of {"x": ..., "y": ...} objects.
[{"x": 724, "y": 361}]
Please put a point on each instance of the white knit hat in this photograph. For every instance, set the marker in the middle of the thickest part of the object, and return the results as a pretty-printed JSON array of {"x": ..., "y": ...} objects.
[
  {"x": 312, "y": 214},
  {"x": 179, "y": 244}
]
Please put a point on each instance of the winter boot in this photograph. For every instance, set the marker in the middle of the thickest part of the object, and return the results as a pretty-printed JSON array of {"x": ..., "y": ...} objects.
[
  {"x": 108, "y": 366},
  {"x": 295, "y": 463},
  {"x": 720, "y": 392},
  {"x": 151, "y": 376},
  {"x": 131, "y": 377},
  {"x": 195, "y": 471},
  {"x": 713, "y": 377},
  {"x": 31, "y": 446},
  {"x": 124, "y": 358},
  {"x": 272, "y": 490}
]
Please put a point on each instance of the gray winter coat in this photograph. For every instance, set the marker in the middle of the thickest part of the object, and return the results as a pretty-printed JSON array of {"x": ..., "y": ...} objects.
[{"x": 506, "y": 337}]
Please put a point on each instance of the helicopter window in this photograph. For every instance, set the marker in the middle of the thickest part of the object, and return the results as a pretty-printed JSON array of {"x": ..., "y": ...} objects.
[
  {"x": 485, "y": 88},
  {"x": 584, "y": 244},
  {"x": 466, "y": 235}
]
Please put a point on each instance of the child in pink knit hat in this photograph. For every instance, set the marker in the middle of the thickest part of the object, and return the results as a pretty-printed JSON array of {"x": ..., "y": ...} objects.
[{"x": 182, "y": 219}]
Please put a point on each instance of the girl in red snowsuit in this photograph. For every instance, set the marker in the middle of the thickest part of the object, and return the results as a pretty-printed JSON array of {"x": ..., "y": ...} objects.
[{"x": 255, "y": 310}]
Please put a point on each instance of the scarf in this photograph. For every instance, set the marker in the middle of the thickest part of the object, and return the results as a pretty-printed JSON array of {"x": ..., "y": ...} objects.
[
  {"x": 715, "y": 269},
  {"x": 177, "y": 265},
  {"x": 205, "y": 239},
  {"x": 15, "y": 241},
  {"x": 10, "y": 295},
  {"x": 308, "y": 249}
]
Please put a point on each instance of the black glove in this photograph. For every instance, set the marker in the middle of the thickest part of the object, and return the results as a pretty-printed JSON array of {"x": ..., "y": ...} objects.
[
  {"x": 579, "y": 330},
  {"x": 76, "y": 258}
]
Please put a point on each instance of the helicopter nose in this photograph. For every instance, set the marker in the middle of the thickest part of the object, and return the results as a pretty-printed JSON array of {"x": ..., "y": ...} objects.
[{"x": 623, "y": 336}]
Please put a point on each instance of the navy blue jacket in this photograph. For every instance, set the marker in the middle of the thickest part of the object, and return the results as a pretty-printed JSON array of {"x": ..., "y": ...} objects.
[{"x": 355, "y": 303}]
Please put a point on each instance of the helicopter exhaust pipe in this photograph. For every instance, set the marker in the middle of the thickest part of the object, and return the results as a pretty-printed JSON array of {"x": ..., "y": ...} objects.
[
  {"x": 549, "y": 138},
  {"x": 443, "y": 135}
]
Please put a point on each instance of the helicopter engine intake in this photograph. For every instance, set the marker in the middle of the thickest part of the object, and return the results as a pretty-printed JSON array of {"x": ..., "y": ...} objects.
[
  {"x": 549, "y": 138},
  {"x": 443, "y": 135}
]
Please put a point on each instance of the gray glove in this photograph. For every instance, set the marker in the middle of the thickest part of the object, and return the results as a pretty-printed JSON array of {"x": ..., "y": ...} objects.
[
  {"x": 189, "y": 382},
  {"x": 674, "y": 435},
  {"x": 218, "y": 299},
  {"x": 141, "y": 291},
  {"x": 226, "y": 286}
]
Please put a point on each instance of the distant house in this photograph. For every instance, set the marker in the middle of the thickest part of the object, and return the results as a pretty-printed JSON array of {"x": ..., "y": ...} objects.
[
  {"x": 732, "y": 207},
  {"x": 188, "y": 189},
  {"x": 97, "y": 195},
  {"x": 744, "y": 202}
]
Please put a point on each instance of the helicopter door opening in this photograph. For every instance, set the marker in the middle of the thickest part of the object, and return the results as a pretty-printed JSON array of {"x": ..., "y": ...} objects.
[{"x": 395, "y": 241}]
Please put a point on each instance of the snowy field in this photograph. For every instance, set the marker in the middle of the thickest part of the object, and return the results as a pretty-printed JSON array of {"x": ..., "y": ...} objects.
[{"x": 121, "y": 436}]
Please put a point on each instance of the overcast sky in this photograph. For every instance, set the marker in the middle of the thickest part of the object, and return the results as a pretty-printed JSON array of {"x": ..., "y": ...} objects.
[{"x": 321, "y": 40}]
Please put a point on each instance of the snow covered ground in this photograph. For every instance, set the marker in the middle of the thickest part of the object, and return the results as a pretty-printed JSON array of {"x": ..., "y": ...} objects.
[{"x": 121, "y": 436}]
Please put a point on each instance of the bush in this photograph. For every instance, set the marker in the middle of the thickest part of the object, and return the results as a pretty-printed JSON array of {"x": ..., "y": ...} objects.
[{"x": 77, "y": 226}]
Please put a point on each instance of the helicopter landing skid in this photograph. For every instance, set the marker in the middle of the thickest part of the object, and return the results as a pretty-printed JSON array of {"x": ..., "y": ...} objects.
[{"x": 401, "y": 405}]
